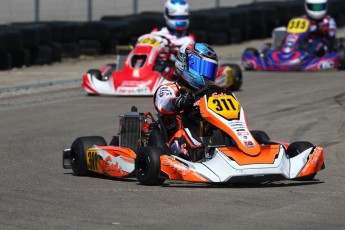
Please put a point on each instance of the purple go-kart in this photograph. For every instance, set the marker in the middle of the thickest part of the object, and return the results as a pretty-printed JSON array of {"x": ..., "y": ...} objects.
[{"x": 290, "y": 51}]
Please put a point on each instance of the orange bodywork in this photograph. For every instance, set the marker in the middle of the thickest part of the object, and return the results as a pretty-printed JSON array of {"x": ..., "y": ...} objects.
[
  {"x": 267, "y": 155},
  {"x": 106, "y": 166},
  {"x": 216, "y": 122},
  {"x": 119, "y": 151},
  {"x": 315, "y": 162},
  {"x": 178, "y": 171}
]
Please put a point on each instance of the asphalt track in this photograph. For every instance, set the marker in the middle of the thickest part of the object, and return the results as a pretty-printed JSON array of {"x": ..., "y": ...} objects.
[{"x": 37, "y": 193}]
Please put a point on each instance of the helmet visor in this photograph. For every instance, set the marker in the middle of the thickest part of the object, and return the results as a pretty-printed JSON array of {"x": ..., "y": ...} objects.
[
  {"x": 205, "y": 67},
  {"x": 317, "y": 6},
  {"x": 178, "y": 17}
]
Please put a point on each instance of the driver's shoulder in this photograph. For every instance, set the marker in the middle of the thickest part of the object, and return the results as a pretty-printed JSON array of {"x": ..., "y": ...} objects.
[{"x": 169, "y": 86}]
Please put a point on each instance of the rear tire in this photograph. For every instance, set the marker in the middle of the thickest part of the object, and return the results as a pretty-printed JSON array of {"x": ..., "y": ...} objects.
[
  {"x": 237, "y": 77},
  {"x": 78, "y": 153},
  {"x": 156, "y": 139},
  {"x": 147, "y": 165},
  {"x": 341, "y": 54},
  {"x": 115, "y": 141},
  {"x": 260, "y": 136}
]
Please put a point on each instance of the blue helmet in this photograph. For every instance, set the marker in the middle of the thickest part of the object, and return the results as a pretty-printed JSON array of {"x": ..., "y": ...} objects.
[
  {"x": 176, "y": 14},
  {"x": 197, "y": 64}
]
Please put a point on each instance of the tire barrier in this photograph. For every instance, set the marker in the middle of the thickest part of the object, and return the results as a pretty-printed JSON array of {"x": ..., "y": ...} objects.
[{"x": 28, "y": 43}]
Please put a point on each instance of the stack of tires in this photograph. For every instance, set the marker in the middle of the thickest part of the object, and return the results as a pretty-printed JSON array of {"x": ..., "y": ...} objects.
[
  {"x": 25, "y": 44},
  {"x": 137, "y": 24}
]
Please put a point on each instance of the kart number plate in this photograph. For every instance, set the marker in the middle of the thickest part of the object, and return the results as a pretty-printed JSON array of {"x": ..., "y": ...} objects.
[
  {"x": 298, "y": 25},
  {"x": 224, "y": 105},
  {"x": 92, "y": 160},
  {"x": 149, "y": 41}
]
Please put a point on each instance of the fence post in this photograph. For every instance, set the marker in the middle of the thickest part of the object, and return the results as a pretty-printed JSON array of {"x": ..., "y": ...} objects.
[
  {"x": 217, "y": 3},
  {"x": 89, "y": 10},
  {"x": 135, "y": 6},
  {"x": 37, "y": 10}
]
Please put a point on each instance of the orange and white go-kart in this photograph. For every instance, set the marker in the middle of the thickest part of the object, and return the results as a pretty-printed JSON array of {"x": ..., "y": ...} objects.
[{"x": 233, "y": 153}]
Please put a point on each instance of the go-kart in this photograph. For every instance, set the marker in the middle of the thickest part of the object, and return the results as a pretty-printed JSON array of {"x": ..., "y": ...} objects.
[
  {"x": 146, "y": 67},
  {"x": 290, "y": 51},
  {"x": 233, "y": 153}
]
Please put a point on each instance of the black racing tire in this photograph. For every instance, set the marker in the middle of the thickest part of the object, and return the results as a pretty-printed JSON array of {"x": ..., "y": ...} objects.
[
  {"x": 200, "y": 36},
  {"x": 140, "y": 24},
  {"x": 95, "y": 30},
  {"x": 96, "y": 73},
  {"x": 252, "y": 51},
  {"x": 341, "y": 54},
  {"x": 90, "y": 47},
  {"x": 268, "y": 46},
  {"x": 6, "y": 60},
  {"x": 235, "y": 35},
  {"x": 147, "y": 166},
  {"x": 218, "y": 38},
  {"x": 198, "y": 19},
  {"x": 70, "y": 50},
  {"x": 112, "y": 68},
  {"x": 56, "y": 51},
  {"x": 156, "y": 139},
  {"x": 42, "y": 55},
  {"x": 64, "y": 32},
  {"x": 13, "y": 37},
  {"x": 2, "y": 41},
  {"x": 296, "y": 148},
  {"x": 30, "y": 34},
  {"x": 78, "y": 153},
  {"x": 109, "y": 46},
  {"x": 260, "y": 136},
  {"x": 237, "y": 77},
  {"x": 115, "y": 141},
  {"x": 21, "y": 57}
]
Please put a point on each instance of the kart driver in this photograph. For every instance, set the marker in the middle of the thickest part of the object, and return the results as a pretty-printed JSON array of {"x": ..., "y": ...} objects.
[
  {"x": 195, "y": 67},
  {"x": 176, "y": 15},
  {"x": 323, "y": 27}
]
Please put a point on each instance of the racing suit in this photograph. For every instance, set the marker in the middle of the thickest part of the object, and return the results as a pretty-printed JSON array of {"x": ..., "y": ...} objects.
[
  {"x": 322, "y": 36},
  {"x": 174, "y": 101},
  {"x": 177, "y": 39}
]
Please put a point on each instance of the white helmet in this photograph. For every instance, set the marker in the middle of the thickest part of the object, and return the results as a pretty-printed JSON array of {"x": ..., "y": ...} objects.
[
  {"x": 176, "y": 14},
  {"x": 316, "y": 9}
]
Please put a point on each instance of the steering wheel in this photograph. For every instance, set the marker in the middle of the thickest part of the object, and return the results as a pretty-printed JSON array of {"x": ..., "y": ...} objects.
[
  {"x": 206, "y": 90},
  {"x": 165, "y": 38},
  {"x": 209, "y": 90}
]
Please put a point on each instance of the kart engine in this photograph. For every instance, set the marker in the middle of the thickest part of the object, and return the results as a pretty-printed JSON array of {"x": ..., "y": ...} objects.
[{"x": 131, "y": 129}]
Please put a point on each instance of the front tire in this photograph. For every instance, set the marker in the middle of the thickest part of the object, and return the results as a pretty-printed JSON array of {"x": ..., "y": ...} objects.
[
  {"x": 148, "y": 165},
  {"x": 96, "y": 73},
  {"x": 260, "y": 136},
  {"x": 252, "y": 51},
  {"x": 78, "y": 153},
  {"x": 296, "y": 148}
]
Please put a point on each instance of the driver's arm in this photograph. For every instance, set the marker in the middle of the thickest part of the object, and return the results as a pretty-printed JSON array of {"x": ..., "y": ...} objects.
[
  {"x": 183, "y": 101},
  {"x": 164, "y": 97}
]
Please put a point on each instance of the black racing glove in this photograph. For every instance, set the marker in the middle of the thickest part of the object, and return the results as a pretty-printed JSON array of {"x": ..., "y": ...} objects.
[{"x": 183, "y": 101}]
